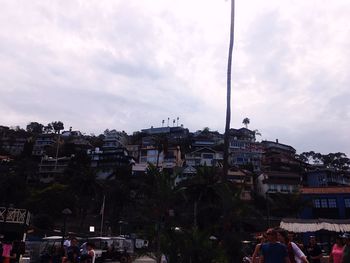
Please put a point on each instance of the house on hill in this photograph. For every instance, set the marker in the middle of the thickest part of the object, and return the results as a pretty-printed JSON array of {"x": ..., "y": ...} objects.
[{"x": 204, "y": 157}]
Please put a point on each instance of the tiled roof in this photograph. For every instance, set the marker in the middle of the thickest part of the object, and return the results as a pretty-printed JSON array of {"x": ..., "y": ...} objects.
[{"x": 325, "y": 190}]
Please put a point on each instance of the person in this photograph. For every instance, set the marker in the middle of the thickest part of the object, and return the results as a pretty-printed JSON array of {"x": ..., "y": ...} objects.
[
  {"x": 73, "y": 251},
  {"x": 1, "y": 249},
  {"x": 346, "y": 248},
  {"x": 314, "y": 251},
  {"x": 14, "y": 253},
  {"x": 273, "y": 251},
  {"x": 337, "y": 251},
  {"x": 295, "y": 254},
  {"x": 6, "y": 251},
  {"x": 91, "y": 252},
  {"x": 257, "y": 250},
  {"x": 293, "y": 238}
]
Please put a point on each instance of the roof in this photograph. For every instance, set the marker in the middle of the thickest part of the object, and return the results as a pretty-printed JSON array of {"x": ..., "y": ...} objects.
[
  {"x": 203, "y": 149},
  {"x": 271, "y": 144},
  {"x": 312, "y": 225},
  {"x": 281, "y": 174},
  {"x": 325, "y": 190}
]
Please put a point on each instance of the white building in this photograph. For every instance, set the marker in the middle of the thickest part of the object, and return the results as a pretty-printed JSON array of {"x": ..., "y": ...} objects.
[
  {"x": 204, "y": 157},
  {"x": 278, "y": 182}
]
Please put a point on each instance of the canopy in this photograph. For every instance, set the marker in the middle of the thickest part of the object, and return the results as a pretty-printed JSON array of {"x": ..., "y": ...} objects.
[{"x": 312, "y": 225}]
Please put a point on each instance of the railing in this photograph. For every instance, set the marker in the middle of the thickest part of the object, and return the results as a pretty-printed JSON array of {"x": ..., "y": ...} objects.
[{"x": 14, "y": 215}]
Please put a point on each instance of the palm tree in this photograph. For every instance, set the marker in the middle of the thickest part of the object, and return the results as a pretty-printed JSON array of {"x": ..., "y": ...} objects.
[
  {"x": 246, "y": 121},
  {"x": 228, "y": 95}
]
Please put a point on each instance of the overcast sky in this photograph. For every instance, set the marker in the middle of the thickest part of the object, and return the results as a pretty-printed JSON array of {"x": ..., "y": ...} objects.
[{"x": 129, "y": 64}]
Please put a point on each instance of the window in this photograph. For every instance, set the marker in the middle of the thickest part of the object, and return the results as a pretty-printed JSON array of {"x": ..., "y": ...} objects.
[
  {"x": 207, "y": 156},
  {"x": 332, "y": 203},
  {"x": 324, "y": 203},
  {"x": 317, "y": 203},
  {"x": 347, "y": 202},
  {"x": 272, "y": 187},
  {"x": 285, "y": 188}
]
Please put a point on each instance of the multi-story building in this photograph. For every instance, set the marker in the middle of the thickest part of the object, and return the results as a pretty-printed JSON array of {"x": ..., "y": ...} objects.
[
  {"x": 326, "y": 202},
  {"x": 13, "y": 146},
  {"x": 206, "y": 138},
  {"x": 278, "y": 182},
  {"x": 281, "y": 171},
  {"x": 169, "y": 136},
  {"x": 167, "y": 159},
  {"x": 280, "y": 157},
  {"x": 244, "y": 180},
  {"x": 52, "y": 168},
  {"x": 44, "y": 142},
  {"x": 113, "y": 156},
  {"x": 244, "y": 150},
  {"x": 75, "y": 141},
  {"x": 324, "y": 177},
  {"x": 114, "y": 139},
  {"x": 204, "y": 157}
]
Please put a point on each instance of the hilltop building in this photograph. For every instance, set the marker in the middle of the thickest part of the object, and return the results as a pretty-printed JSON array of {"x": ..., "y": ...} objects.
[
  {"x": 244, "y": 150},
  {"x": 281, "y": 171},
  {"x": 113, "y": 156},
  {"x": 51, "y": 169}
]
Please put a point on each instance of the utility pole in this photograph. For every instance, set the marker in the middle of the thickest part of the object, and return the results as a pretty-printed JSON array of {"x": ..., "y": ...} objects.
[{"x": 102, "y": 215}]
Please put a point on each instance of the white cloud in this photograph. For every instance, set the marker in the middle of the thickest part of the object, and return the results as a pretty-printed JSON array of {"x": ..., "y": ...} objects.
[{"x": 130, "y": 64}]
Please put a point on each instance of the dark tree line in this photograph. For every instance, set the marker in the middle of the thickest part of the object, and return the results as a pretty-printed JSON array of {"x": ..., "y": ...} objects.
[{"x": 331, "y": 160}]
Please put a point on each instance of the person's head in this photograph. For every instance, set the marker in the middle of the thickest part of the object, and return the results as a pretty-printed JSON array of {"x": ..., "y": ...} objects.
[
  {"x": 262, "y": 238},
  {"x": 282, "y": 236},
  {"x": 290, "y": 236},
  {"x": 312, "y": 240},
  {"x": 90, "y": 245},
  {"x": 271, "y": 235},
  {"x": 346, "y": 238},
  {"x": 73, "y": 241},
  {"x": 339, "y": 241}
]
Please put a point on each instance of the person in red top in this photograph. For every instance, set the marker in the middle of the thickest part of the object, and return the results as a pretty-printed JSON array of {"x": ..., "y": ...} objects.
[{"x": 337, "y": 251}]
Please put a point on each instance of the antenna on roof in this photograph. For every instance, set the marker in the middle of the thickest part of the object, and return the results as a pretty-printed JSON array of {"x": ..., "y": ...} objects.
[
  {"x": 168, "y": 121},
  {"x": 162, "y": 123},
  {"x": 177, "y": 124},
  {"x": 173, "y": 122}
]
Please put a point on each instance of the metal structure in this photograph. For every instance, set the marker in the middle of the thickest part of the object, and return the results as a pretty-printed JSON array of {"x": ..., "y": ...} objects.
[
  {"x": 14, "y": 222},
  {"x": 14, "y": 215}
]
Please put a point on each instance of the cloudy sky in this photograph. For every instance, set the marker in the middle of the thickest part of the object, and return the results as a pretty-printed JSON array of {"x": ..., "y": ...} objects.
[{"x": 129, "y": 64}]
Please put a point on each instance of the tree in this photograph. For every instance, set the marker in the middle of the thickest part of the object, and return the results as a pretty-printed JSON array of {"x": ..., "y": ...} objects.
[
  {"x": 161, "y": 144},
  {"x": 48, "y": 128},
  {"x": 81, "y": 180},
  {"x": 57, "y": 126},
  {"x": 206, "y": 130},
  {"x": 228, "y": 92},
  {"x": 246, "y": 121},
  {"x": 35, "y": 127}
]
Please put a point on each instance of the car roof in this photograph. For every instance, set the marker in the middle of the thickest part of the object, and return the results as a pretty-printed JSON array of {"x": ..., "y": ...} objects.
[{"x": 101, "y": 238}]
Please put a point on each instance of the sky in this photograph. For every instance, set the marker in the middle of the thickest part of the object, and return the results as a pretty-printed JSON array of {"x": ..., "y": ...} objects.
[{"x": 129, "y": 64}]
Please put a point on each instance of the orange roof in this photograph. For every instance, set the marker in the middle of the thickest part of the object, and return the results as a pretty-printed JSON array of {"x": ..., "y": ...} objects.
[{"x": 325, "y": 190}]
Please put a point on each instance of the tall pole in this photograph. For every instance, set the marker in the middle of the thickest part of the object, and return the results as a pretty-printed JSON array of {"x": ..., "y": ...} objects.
[
  {"x": 228, "y": 95},
  {"x": 268, "y": 208},
  {"x": 58, "y": 145},
  {"x": 102, "y": 215}
]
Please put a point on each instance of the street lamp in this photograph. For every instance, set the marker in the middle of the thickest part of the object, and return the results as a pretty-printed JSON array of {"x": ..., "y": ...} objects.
[{"x": 65, "y": 212}]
